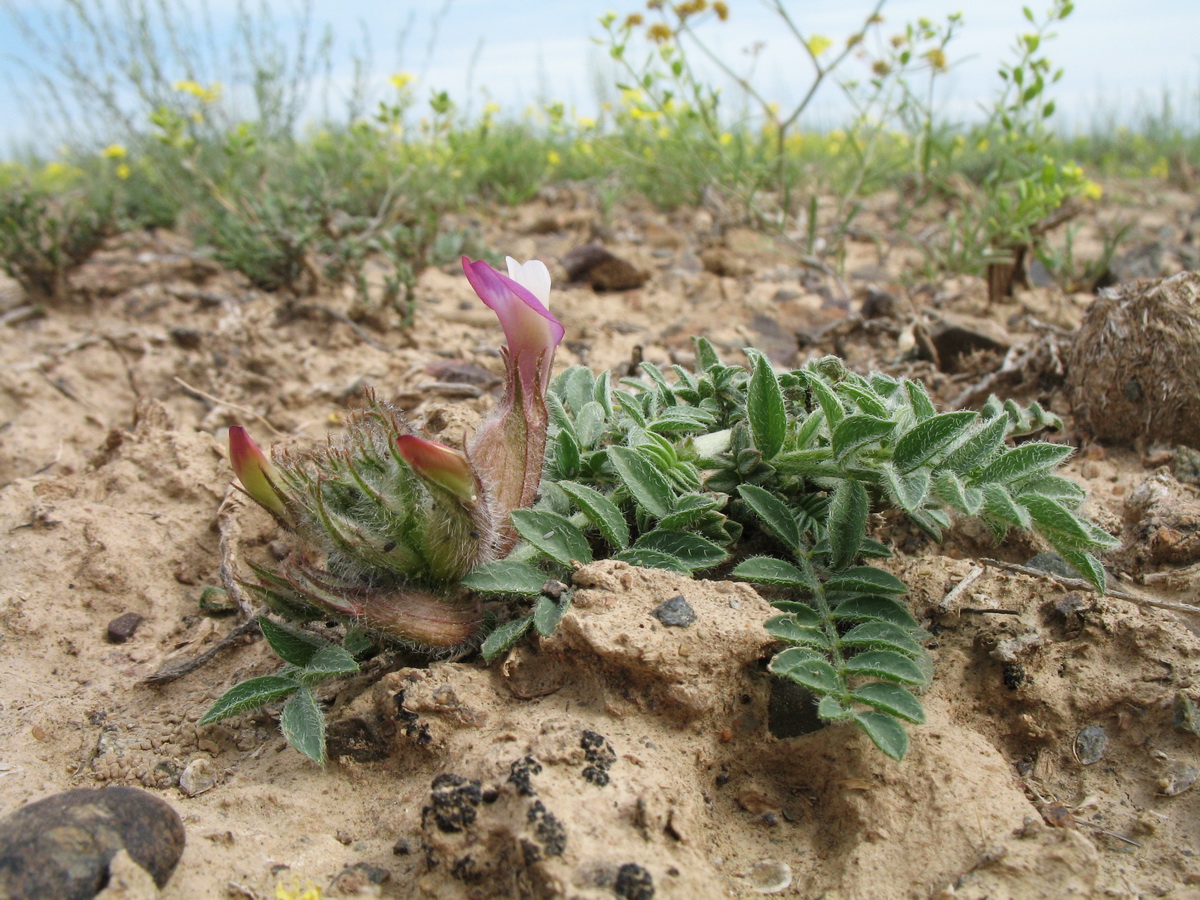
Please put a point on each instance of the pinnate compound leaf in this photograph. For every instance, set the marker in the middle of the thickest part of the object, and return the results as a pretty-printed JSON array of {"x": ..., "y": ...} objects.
[
  {"x": 643, "y": 481},
  {"x": 768, "y": 570},
  {"x": 774, "y": 513},
  {"x": 250, "y": 694},
  {"x": 690, "y": 549},
  {"x": 706, "y": 356},
  {"x": 866, "y": 580},
  {"x": 765, "y": 408},
  {"x": 918, "y": 399},
  {"x": 291, "y": 644},
  {"x": 328, "y": 662},
  {"x": 831, "y": 710},
  {"x": 504, "y": 637},
  {"x": 847, "y": 523},
  {"x": 885, "y": 732},
  {"x": 653, "y": 559},
  {"x": 1025, "y": 461},
  {"x": 602, "y": 512},
  {"x": 506, "y": 576},
  {"x": 806, "y": 668},
  {"x": 858, "y": 430},
  {"x": 926, "y": 440},
  {"x": 891, "y": 699},
  {"x": 886, "y": 664},
  {"x": 786, "y": 628},
  {"x": 547, "y": 613},
  {"x": 1061, "y": 526},
  {"x": 882, "y": 636},
  {"x": 553, "y": 535},
  {"x": 952, "y": 492},
  {"x": 303, "y": 725}
]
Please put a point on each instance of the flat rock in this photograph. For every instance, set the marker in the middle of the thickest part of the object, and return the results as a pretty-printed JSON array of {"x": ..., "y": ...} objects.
[{"x": 60, "y": 848}]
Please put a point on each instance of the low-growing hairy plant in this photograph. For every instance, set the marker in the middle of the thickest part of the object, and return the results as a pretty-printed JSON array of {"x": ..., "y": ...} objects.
[
  {"x": 770, "y": 476},
  {"x": 43, "y": 238}
]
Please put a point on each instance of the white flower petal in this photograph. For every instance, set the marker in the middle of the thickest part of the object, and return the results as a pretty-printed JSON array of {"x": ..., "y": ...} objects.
[{"x": 533, "y": 276}]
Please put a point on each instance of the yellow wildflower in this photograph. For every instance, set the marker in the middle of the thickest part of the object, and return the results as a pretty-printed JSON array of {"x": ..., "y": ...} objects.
[
  {"x": 401, "y": 80},
  {"x": 113, "y": 151},
  {"x": 659, "y": 32},
  {"x": 308, "y": 892},
  {"x": 585, "y": 122},
  {"x": 1092, "y": 191},
  {"x": 818, "y": 44},
  {"x": 1161, "y": 168},
  {"x": 553, "y": 158},
  {"x": 721, "y": 10},
  {"x": 209, "y": 94},
  {"x": 937, "y": 59},
  {"x": 123, "y": 171},
  {"x": 725, "y": 139},
  {"x": 633, "y": 20}
]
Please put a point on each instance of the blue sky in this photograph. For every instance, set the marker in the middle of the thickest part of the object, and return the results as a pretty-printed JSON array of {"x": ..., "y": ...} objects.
[{"x": 1119, "y": 56}]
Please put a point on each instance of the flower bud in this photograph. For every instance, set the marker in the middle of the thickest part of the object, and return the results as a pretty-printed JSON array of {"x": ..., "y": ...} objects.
[{"x": 255, "y": 472}]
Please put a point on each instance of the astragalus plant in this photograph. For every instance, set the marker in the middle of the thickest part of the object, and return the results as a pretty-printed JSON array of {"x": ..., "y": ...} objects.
[{"x": 722, "y": 468}]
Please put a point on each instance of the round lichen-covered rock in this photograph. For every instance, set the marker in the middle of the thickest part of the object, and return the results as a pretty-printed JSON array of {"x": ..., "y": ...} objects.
[
  {"x": 1135, "y": 363},
  {"x": 62, "y": 846}
]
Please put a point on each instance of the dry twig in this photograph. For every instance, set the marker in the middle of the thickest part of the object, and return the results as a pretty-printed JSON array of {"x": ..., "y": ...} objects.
[{"x": 1081, "y": 585}]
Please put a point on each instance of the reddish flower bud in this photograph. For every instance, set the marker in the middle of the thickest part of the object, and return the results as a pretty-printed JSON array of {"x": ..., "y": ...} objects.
[
  {"x": 255, "y": 471},
  {"x": 444, "y": 466}
]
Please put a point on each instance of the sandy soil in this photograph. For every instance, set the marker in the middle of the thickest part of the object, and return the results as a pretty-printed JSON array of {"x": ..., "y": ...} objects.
[{"x": 620, "y": 757}]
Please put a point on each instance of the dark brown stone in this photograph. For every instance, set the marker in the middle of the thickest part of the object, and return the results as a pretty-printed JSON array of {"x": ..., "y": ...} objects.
[
  {"x": 601, "y": 269},
  {"x": 60, "y": 847},
  {"x": 122, "y": 627}
]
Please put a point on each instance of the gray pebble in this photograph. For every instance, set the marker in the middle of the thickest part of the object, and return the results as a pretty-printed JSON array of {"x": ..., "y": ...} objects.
[
  {"x": 1090, "y": 745},
  {"x": 122, "y": 627},
  {"x": 676, "y": 611}
]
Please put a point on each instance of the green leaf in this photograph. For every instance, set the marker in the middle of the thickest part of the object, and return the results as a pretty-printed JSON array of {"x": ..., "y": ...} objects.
[
  {"x": 806, "y": 668},
  {"x": 979, "y": 447},
  {"x": 250, "y": 694},
  {"x": 689, "y": 509},
  {"x": 504, "y": 637},
  {"x": 885, "y": 732},
  {"x": 803, "y": 613},
  {"x": 768, "y": 570},
  {"x": 764, "y": 407},
  {"x": 831, "y": 405},
  {"x": 547, "y": 613},
  {"x": 328, "y": 662},
  {"x": 831, "y": 710},
  {"x": 998, "y": 504},
  {"x": 951, "y": 492},
  {"x": 1060, "y": 525},
  {"x": 882, "y": 636},
  {"x": 601, "y": 511},
  {"x": 602, "y": 394},
  {"x": 303, "y": 725},
  {"x": 290, "y": 643},
  {"x": 886, "y": 664},
  {"x": 786, "y": 628},
  {"x": 847, "y": 522},
  {"x": 918, "y": 399},
  {"x": 578, "y": 385},
  {"x": 891, "y": 699},
  {"x": 505, "y": 576},
  {"x": 874, "y": 608},
  {"x": 706, "y": 356},
  {"x": 566, "y": 455},
  {"x": 866, "y": 580},
  {"x": 1064, "y": 490},
  {"x": 553, "y": 535},
  {"x": 1087, "y": 565},
  {"x": 929, "y": 438},
  {"x": 1025, "y": 461},
  {"x": 868, "y": 401},
  {"x": 359, "y": 643},
  {"x": 652, "y": 559},
  {"x": 643, "y": 481},
  {"x": 909, "y": 490},
  {"x": 692, "y": 550},
  {"x": 774, "y": 513},
  {"x": 855, "y": 431}
]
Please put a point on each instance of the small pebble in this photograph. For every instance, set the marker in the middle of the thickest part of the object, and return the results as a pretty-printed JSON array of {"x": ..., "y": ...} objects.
[
  {"x": 122, "y": 627},
  {"x": 676, "y": 611},
  {"x": 770, "y": 877},
  {"x": 1178, "y": 778},
  {"x": 1090, "y": 745},
  {"x": 198, "y": 776}
]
